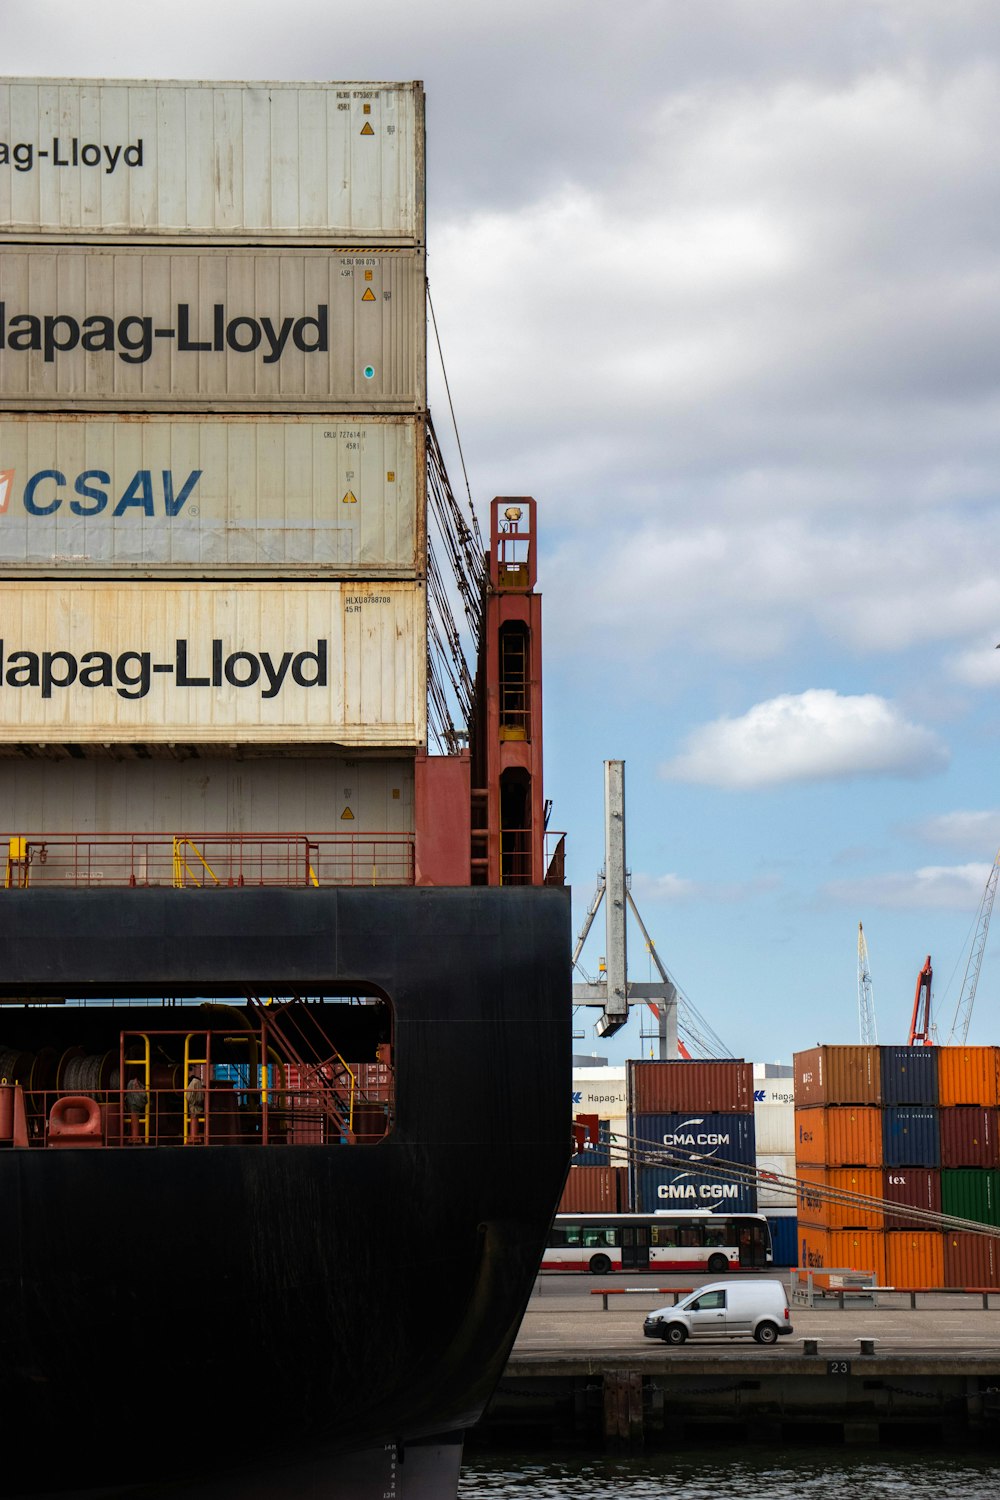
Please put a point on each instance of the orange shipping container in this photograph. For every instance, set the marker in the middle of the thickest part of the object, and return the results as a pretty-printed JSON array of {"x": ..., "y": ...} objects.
[
  {"x": 814, "y": 1207},
  {"x": 968, "y": 1075},
  {"x": 838, "y": 1137},
  {"x": 842, "y": 1250},
  {"x": 914, "y": 1258},
  {"x": 837, "y": 1075}
]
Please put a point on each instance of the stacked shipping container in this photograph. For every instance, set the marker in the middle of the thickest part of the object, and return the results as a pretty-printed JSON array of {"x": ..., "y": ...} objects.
[
  {"x": 910, "y": 1127},
  {"x": 702, "y": 1113}
]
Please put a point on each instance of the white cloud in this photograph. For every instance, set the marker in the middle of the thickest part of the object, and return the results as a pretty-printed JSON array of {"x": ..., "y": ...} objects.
[
  {"x": 933, "y": 887},
  {"x": 675, "y": 888},
  {"x": 961, "y": 830},
  {"x": 813, "y": 736}
]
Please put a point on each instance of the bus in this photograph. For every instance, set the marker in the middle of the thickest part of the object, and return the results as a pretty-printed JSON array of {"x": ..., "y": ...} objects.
[{"x": 676, "y": 1240}]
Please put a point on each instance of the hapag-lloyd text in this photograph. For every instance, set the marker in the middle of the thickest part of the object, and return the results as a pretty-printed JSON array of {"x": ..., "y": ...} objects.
[
  {"x": 130, "y": 673},
  {"x": 132, "y": 337}
]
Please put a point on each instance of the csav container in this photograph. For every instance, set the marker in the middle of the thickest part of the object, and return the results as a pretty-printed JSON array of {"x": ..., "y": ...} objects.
[
  {"x": 911, "y": 1136},
  {"x": 968, "y": 1136},
  {"x": 840, "y": 1136},
  {"x": 968, "y": 1075},
  {"x": 911, "y": 1187},
  {"x": 909, "y": 1075},
  {"x": 704, "y": 1087},
  {"x": 914, "y": 1260},
  {"x": 837, "y": 1075},
  {"x": 826, "y": 1194},
  {"x": 88, "y": 157}
]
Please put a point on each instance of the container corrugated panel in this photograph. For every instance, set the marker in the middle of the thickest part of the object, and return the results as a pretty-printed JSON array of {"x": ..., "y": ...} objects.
[
  {"x": 971, "y": 1260},
  {"x": 968, "y": 1136},
  {"x": 154, "y": 328},
  {"x": 199, "y": 158},
  {"x": 914, "y": 1259},
  {"x": 784, "y": 1240},
  {"x": 699, "y": 1137},
  {"x": 911, "y": 1136},
  {"x": 815, "y": 1206},
  {"x": 773, "y": 1172},
  {"x": 842, "y": 1250},
  {"x": 912, "y": 1187},
  {"x": 909, "y": 1075},
  {"x": 668, "y": 1087},
  {"x": 841, "y": 1136},
  {"x": 837, "y": 1075},
  {"x": 970, "y": 1194},
  {"x": 151, "y": 663},
  {"x": 593, "y": 1190},
  {"x": 775, "y": 1127},
  {"x": 152, "y": 494},
  {"x": 968, "y": 1075},
  {"x": 666, "y": 1187}
]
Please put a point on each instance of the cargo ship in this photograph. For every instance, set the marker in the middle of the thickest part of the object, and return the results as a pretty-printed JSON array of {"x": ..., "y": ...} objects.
[{"x": 285, "y": 990}]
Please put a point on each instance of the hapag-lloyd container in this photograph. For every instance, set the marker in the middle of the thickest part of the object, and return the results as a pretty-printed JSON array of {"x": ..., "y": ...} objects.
[
  {"x": 841, "y": 1136},
  {"x": 911, "y": 1187},
  {"x": 837, "y": 1075},
  {"x": 156, "y": 494},
  {"x": 914, "y": 1258},
  {"x": 774, "y": 1125},
  {"x": 825, "y": 1197},
  {"x": 696, "y": 1137},
  {"x": 860, "y": 1250},
  {"x": 911, "y": 1136},
  {"x": 909, "y": 1075},
  {"x": 668, "y": 1087},
  {"x": 152, "y": 663},
  {"x": 153, "y": 327},
  {"x": 968, "y": 1136},
  {"x": 241, "y": 160},
  {"x": 971, "y": 1260},
  {"x": 775, "y": 1174},
  {"x": 968, "y": 1075}
]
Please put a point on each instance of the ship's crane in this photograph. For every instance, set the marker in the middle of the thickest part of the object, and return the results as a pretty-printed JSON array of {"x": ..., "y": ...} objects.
[
  {"x": 920, "y": 1024},
  {"x": 963, "y": 1010},
  {"x": 866, "y": 1001}
]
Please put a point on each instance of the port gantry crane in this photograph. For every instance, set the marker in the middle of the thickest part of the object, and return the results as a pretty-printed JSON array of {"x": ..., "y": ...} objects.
[
  {"x": 867, "y": 1026},
  {"x": 920, "y": 1022},
  {"x": 963, "y": 1010}
]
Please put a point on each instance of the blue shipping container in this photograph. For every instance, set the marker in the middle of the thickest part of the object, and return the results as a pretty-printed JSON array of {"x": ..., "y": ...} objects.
[
  {"x": 598, "y": 1155},
  {"x": 784, "y": 1241},
  {"x": 909, "y": 1075},
  {"x": 696, "y": 1137},
  {"x": 911, "y": 1136},
  {"x": 679, "y": 1187}
]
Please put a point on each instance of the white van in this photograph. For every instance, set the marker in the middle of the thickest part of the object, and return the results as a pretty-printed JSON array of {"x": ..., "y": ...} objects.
[{"x": 724, "y": 1310}]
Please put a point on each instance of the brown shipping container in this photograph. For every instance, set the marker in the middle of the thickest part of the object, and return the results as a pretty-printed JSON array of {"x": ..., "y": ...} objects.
[
  {"x": 968, "y": 1075},
  {"x": 968, "y": 1135},
  {"x": 815, "y": 1208},
  {"x": 837, "y": 1075},
  {"x": 842, "y": 1250},
  {"x": 595, "y": 1190},
  {"x": 661, "y": 1088},
  {"x": 911, "y": 1187},
  {"x": 838, "y": 1137},
  {"x": 971, "y": 1260},
  {"x": 914, "y": 1259}
]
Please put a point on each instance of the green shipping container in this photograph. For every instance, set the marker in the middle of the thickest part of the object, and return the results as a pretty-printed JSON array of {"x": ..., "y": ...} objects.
[{"x": 971, "y": 1193}]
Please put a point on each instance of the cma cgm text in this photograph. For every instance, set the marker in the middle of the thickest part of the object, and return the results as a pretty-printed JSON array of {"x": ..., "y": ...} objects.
[
  {"x": 134, "y": 336},
  {"x": 130, "y": 673}
]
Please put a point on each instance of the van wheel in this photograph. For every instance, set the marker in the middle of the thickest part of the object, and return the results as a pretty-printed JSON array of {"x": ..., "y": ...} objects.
[
  {"x": 717, "y": 1264},
  {"x": 766, "y": 1333},
  {"x": 599, "y": 1265},
  {"x": 676, "y": 1333}
]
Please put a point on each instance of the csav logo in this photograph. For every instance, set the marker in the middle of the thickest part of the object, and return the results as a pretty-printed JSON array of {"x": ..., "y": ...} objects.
[
  {"x": 6, "y": 485},
  {"x": 43, "y": 492}
]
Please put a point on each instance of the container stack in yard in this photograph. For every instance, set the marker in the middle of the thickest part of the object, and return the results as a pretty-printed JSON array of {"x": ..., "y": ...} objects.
[
  {"x": 701, "y": 1114},
  {"x": 913, "y": 1128}
]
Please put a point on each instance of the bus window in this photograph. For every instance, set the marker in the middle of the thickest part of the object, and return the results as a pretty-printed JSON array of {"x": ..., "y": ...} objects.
[
  {"x": 663, "y": 1235},
  {"x": 689, "y": 1234},
  {"x": 595, "y": 1237}
]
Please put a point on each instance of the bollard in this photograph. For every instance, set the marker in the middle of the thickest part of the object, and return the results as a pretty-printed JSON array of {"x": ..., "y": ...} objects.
[
  {"x": 867, "y": 1346},
  {"x": 810, "y": 1346}
]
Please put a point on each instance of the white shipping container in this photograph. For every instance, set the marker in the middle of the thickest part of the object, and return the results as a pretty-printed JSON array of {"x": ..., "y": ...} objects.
[
  {"x": 329, "y": 160},
  {"x": 772, "y": 1194},
  {"x": 268, "y": 495},
  {"x": 150, "y": 328},
  {"x": 774, "y": 1127},
  {"x": 151, "y": 663}
]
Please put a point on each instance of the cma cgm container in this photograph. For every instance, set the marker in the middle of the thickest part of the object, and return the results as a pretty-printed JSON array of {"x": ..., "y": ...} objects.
[
  {"x": 150, "y": 495},
  {"x": 909, "y": 1075},
  {"x": 837, "y": 1075},
  {"x": 967, "y": 1075},
  {"x": 842, "y": 1250},
  {"x": 680, "y": 1187},
  {"x": 825, "y": 1197},
  {"x": 656, "y": 1088},
  {"x": 154, "y": 327},
  {"x": 840, "y": 1136},
  {"x": 911, "y": 1136},
  {"x": 143, "y": 663},
  {"x": 255, "y": 160},
  {"x": 911, "y": 1187},
  {"x": 968, "y": 1136}
]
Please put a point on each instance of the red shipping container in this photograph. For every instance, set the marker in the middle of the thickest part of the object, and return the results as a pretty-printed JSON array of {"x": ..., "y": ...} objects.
[
  {"x": 595, "y": 1190},
  {"x": 837, "y": 1075},
  {"x": 911, "y": 1187},
  {"x": 971, "y": 1260},
  {"x": 968, "y": 1136},
  {"x": 712, "y": 1088}
]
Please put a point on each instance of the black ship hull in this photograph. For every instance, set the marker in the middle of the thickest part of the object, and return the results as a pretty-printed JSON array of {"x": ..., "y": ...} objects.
[{"x": 246, "y": 1303}]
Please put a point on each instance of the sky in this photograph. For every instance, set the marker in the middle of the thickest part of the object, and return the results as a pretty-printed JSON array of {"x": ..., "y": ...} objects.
[{"x": 718, "y": 282}]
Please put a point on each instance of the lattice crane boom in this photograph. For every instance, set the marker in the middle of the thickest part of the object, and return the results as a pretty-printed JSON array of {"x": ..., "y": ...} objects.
[
  {"x": 867, "y": 1026},
  {"x": 963, "y": 1010}
]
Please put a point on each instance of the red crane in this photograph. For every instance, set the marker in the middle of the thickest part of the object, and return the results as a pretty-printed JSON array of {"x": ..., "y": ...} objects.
[{"x": 920, "y": 1025}]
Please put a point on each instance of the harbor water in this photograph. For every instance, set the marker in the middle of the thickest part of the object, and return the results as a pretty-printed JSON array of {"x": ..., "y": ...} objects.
[{"x": 714, "y": 1474}]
